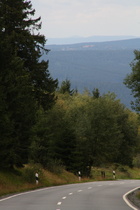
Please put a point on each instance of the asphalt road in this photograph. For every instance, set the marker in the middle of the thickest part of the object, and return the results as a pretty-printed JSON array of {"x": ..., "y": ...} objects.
[{"x": 104, "y": 195}]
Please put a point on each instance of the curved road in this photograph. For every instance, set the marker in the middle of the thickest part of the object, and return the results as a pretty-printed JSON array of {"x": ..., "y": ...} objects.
[{"x": 104, "y": 195}]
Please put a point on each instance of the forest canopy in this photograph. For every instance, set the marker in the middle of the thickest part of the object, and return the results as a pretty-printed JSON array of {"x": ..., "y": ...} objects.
[
  {"x": 82, "y": 131},
  {"x": 44, "y": 124}
]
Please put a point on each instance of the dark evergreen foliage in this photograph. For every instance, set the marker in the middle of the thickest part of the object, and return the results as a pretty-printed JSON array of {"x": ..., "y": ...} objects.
[
  {"x": 66, "y": 87},
  {"x": 25, "y": 82},
  {"x": 53, "y": 139},
  {"x": 79, "y": 131},
  {"x": 96, "y": 93}
]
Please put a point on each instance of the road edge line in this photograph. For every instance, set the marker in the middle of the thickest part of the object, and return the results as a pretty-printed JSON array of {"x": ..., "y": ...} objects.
[
  {"x": 23, "y": 193},
  {"x": 127, "y": 200}
]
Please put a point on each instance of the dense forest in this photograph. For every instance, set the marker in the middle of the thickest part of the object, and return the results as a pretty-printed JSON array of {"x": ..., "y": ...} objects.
[
  {"x": 43, "y": 123},
  {"x": 104, "y": 69},
  {"x": 85, "y": 130},
  {"x": 102, "y": 65}
]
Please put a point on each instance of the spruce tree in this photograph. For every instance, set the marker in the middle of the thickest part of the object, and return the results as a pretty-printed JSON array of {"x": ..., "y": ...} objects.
[
  {"x": 21, "y": 33},
  {"x": 25, "y": 82},
  {"x": 66, "y": 87}
]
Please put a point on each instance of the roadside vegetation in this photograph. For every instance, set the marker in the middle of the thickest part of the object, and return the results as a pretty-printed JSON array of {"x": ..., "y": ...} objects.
[
  {"x": 56, "y": 128},
  {"x": 23, "y": 179}
]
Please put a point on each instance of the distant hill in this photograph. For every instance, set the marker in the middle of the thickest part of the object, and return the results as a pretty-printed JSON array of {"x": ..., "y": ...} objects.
[
  {"x": 128, "y": 44},
  {"x": 92, "y": 65},
  {"x": 78, "y": 39}
]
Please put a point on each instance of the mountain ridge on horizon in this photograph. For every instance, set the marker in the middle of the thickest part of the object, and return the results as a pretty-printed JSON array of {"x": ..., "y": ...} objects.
[
  {"x": 125, "y": 44},
  {"x": 80, "y": 39},
  {"x": 101, "y": 65}
]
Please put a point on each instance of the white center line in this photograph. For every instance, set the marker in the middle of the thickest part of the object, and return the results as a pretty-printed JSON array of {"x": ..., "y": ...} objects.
[
  {"x": 121, "y": 182},
  {"x": 79, "y": 190},
  {"x": 59, "y": 203},
  {"x": 64, "y": 198},
  {"x": 70, "y": 193},
  {"x": 132, "y": 182}
]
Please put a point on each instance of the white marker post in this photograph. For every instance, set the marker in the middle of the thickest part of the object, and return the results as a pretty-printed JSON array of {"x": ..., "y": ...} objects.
[
  {"x": 79, "y": 173},
  {"x": 114, "y": 174},
  {"x": 36, "y": 178}
]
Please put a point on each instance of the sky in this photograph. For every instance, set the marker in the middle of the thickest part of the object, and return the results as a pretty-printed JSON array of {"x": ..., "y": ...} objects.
[{"x": 85, "y": 18}]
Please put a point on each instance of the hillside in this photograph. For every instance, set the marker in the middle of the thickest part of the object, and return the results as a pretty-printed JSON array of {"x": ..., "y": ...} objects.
[
  {"x": 20, "y": 180},
  {"x": 80, "y": 39},
  {"x": 127, "y": 44},
  {"x": 102, "y": 65}
]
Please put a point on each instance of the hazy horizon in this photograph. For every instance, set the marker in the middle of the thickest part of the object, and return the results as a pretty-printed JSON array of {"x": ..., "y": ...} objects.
[
  {"x": 67, "y": 18},
  {"x": 79, "y": 39}
]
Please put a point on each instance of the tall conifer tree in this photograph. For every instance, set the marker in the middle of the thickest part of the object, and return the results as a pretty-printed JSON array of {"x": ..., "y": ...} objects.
[{"x": 25, "y": 82}]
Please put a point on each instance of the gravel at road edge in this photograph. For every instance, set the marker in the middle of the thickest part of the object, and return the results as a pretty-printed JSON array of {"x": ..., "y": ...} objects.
[{"x": 132, "y": 197}]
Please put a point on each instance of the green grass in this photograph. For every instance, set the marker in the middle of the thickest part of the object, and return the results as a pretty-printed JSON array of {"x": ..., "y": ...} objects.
[
  {"x": 19, "y": 180},
  {"x": 23, "y": 179},
  {"x": 122, "y": 172}
]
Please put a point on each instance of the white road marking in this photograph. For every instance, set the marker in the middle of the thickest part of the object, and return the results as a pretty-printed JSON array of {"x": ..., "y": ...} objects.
[
  {"x": 132, "y": 182},
  {"x": 24, "y": 193},
  {"x": 127, "y": 201},
  {"x": 89, "y": 188},
  {"x": 121, "y": 182},
  {"x": 79, "y": 190},
  {"x": 70, "y": 193},
  {"x": 64, "y": 198},
  {"x": 59, "y": 203}
]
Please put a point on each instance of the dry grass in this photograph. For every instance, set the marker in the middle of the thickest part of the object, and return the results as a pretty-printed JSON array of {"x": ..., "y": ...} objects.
[
  {"x": 122, "y": 172},
  {"x": 15, "y": 181},
  {"x": 23, "y": 179}
]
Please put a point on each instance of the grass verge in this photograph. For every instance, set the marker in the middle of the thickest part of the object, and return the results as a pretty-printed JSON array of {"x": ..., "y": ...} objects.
[{"x": 23, "y": 179}]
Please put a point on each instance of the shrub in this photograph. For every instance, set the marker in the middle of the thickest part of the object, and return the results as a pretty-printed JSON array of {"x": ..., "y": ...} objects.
[
  {"x": 55, "y": 166},
  {"x": 136, "y": 161},
  {"x": 28, "y": 173}
]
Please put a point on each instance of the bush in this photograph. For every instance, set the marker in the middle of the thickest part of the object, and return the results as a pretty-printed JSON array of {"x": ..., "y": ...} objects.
[
  {"x": 29, "y": 173},
  {"x": 123, "y": 168},
  {"x": 55, "y": 166},
  {"x": 136, "y": 161}
]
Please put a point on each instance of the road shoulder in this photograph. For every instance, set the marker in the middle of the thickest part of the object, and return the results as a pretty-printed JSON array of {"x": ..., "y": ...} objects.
[{"x": 132, "y": 197}]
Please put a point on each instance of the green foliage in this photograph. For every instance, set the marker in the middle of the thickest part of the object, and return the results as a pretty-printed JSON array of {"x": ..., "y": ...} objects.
[
  {"x": 105, "y": 130},
  {"x": 79, "y": 131},
  {"x": 96, "y": 93},
  {"x": 53, "y": 138},
  {"x": 23, "y": 179},
  {"x": 133, "y": 79},
  {"x": 28, "y": 173},
  {"x": 66, "y": 87},
  {"x": 136, "y": 161},
  {"x": 25, "y": 82},
  {"x": 55, "y": 166},
  {"x": 122, "y": 168}
]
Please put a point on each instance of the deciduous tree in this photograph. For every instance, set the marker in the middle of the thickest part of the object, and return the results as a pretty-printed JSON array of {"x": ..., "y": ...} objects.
[{"x": 132, "y": 80}]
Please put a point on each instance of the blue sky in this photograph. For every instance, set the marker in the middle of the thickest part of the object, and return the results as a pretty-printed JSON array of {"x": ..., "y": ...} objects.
[{"x": 67, "y": 18}]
